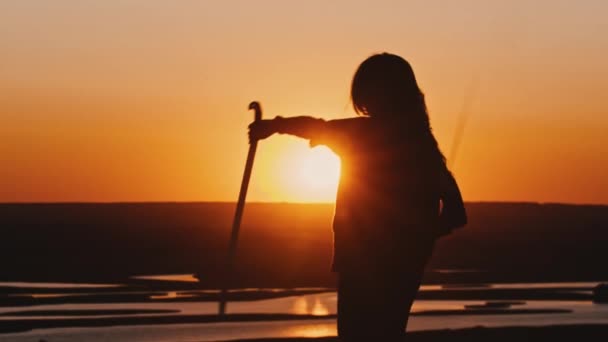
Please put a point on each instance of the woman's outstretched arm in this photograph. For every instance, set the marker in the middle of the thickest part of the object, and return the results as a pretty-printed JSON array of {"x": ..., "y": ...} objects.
[{"x": 301, "y": 126}]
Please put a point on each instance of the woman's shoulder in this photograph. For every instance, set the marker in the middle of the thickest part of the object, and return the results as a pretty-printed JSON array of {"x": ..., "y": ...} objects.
[
  {"x": 339, "y": 134},
  {"x": 348, "y": 123}
]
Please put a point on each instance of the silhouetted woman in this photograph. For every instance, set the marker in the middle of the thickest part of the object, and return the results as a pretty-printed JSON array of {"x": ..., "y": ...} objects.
[{"x": 395, "y": 197}]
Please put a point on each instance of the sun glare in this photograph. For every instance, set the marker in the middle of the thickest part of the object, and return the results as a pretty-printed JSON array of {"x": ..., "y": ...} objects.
[{"x": 313, "y": 175}]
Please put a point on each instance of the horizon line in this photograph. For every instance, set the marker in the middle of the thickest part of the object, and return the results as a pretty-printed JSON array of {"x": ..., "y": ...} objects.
[{"x": 276, "y": 202}]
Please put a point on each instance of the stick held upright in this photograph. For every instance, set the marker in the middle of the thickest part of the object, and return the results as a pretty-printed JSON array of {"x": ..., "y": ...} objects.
[{"x": 238, "y": 214}]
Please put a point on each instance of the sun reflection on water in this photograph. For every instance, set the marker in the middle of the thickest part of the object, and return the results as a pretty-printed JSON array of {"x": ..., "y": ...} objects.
[
  {"x": 310, "y": 306},
  {"x": 172, "y": 295},
  {"x": 312, "y": 330}
]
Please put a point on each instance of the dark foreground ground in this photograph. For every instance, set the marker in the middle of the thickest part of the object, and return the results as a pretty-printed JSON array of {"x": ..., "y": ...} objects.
[{"x": 507, "y": 334}]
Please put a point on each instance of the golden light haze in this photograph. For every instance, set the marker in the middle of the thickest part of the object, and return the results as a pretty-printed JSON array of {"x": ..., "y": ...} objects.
[{"x": 147, "y": 100}]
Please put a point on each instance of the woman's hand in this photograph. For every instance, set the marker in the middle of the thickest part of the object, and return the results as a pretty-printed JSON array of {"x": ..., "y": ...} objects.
[{"x": 261, "y": 129}]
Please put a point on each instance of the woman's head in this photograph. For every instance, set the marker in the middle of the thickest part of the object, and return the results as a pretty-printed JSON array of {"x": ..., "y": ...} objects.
[{"x": 385, "y": 85}]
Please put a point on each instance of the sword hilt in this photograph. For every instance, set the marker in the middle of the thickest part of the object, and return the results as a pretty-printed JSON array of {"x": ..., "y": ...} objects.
[{"x": 255, "y": 105}]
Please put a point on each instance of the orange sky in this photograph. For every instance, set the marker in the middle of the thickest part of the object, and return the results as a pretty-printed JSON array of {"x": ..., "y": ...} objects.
[{"x": 147, "y": 100}]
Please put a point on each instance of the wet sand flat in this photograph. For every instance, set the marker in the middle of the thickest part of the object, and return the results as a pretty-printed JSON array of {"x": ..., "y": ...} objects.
[{"x": 506, "y": 334}]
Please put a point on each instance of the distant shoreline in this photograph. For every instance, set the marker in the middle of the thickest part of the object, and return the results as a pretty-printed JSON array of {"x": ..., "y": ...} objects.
[{"x": 286, "y": 244}]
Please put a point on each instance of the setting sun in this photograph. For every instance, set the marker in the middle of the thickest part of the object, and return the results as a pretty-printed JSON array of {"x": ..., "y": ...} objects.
[{"x": 312, "y": 174}]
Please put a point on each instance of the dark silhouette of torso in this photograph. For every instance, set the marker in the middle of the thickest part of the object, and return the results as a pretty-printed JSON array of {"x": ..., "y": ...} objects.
[{"x": 388, "y": 196}]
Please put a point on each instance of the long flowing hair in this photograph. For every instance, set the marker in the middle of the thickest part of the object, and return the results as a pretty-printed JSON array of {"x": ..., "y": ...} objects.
[{"x": 384, "y": 86}]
